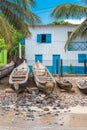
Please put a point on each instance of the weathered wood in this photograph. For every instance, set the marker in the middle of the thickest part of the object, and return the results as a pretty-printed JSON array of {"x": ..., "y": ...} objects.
[
  {"x": 6, "y": 69},
  {"x": 16, "y": 86},
  {"x": 44, "y": 80},
  {"x": 32, "y": 89},
  {"x": 21, "y": 73},
  {"x": 82, "y": 85},
  {"x": 9, "y": 90},
  {"x": 19, "y": 77},
  {"x": 64, "y": 84}
]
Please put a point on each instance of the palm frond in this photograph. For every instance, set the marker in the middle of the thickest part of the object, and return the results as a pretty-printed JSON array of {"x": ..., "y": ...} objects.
[
  {"x": 18, "y": 23},
  {"x": 6, "y": 31},
  {"x": 25, "y": 3},
  {"x": 81, "y": 30},
  {"x": 85, "y": 1},
  {"x": 69, "y": 10},
  {"x": 11, "y": 9},
  {"x": 19, "y": 14}
]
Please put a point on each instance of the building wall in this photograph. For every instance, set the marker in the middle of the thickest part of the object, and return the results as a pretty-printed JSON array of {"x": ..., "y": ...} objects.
[{"x": 59, "y": 35}]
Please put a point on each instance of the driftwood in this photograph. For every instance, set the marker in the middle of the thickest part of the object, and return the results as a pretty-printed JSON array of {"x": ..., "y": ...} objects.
[{"x": 64, "y": 84}]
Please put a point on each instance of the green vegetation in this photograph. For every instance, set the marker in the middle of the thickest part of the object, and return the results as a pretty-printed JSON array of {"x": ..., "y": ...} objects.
[
  {"x": 14, "y": 51},
  {"x": 59, "y": 23},
  {"x": 70, "y": 10},
  {"x": 15, "y": 18},
  {"x": 2, "y": 44},
  {"x": 6, "y": 31},
  {"x": 16, "y": 15}
]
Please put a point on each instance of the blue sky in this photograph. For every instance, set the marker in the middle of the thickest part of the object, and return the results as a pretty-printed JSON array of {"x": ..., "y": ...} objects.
[{"x": 43, "y": 8}]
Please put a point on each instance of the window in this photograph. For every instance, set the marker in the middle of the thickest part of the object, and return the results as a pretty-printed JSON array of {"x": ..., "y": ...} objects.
[
  {"x": 82, "y": 58},
  {"x": 69, "y": 33},
  {"x": 44, "y": 38}
]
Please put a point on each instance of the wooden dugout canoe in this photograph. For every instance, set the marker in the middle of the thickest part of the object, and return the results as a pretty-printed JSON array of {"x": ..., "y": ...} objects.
[
  {"x": 82, "y": 85},
  {"x": 18, "y": 79},
  {"x": 64, "y": 84},
  {"x": 6, "y": 69},
  {"x": 43, "y": 78}
]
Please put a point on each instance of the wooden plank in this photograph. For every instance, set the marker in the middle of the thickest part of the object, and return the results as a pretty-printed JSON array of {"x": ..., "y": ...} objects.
[
  {"x": 18, "y": 79},
  {"x": 20, "y": 73},
  {"x": 45, "y": 78},
  {"x": 18, "y": 76}
]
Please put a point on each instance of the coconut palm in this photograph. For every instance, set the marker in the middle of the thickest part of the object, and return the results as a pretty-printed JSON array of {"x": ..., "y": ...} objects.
[
  {"x": 18, "y": 14},
  {"x": 70, "y": 10}
]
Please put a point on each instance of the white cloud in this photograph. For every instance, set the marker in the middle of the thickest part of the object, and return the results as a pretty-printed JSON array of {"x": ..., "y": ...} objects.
[{"x": 75, "y": 21}]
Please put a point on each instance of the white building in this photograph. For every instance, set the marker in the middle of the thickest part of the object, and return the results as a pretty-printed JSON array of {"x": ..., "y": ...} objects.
[{"x": 46, "y": 44}]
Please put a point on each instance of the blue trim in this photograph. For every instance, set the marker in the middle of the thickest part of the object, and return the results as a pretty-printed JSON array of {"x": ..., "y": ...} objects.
[
  {"x": 50, "y": 68},
  {"x": 66, "y": 69},
  {"x": 38, "y": 58},
  {"x": 75, "y": 69},
  {"x": 30, "y": 68},
  {"x": 23, "y": 41}
]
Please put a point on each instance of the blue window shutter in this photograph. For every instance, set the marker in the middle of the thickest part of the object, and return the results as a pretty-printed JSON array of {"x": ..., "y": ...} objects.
[
  {"x": 39, "y": 38},
  {"x": 48, "y": 38}
]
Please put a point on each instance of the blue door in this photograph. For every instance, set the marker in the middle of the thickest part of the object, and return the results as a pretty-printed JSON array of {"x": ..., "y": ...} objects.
[
  {"x": 56, "y": 64},
  {"x": 38, "y": 58}
]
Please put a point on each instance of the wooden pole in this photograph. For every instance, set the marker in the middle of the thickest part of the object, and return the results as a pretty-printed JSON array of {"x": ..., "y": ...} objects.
[
  {"x": 20, "y": 52},
  {"x": 84, "y": 66},
  {"x": 57, "y": 66},
  {"x": 61, "y": 64}
]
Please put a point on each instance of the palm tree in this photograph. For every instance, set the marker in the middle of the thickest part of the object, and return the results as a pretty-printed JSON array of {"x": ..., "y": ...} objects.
[
  {"x": 18, "y": 14},
  {"x": 70, "y": 10}
]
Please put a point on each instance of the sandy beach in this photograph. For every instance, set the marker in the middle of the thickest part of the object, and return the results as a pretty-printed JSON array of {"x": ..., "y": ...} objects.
[{"x": 33, "y": 110}]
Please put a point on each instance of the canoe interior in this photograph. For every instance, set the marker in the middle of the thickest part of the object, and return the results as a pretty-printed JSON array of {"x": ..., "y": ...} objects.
[
  {"x": 44, "y": 80},
  {"x": 19, "y": 77}
]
